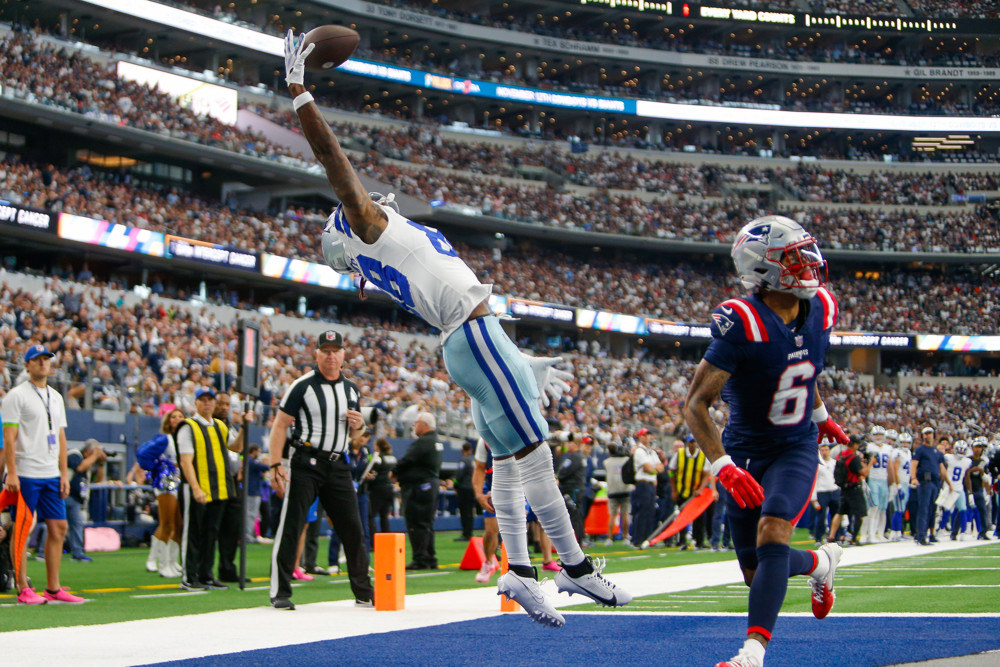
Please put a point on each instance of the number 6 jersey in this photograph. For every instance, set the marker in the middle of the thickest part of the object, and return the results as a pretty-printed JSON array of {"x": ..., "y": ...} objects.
[
  {"x": 773, "y": 368},
  {"x": 417, "y": 267}
]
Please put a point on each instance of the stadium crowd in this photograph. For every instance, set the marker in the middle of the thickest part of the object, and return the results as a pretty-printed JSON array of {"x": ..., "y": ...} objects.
[
  {"x": 626, "y": 34},
  {"x": 152, "y": 355}
]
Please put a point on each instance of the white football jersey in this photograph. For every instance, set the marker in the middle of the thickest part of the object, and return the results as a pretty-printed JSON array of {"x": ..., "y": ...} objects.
[
  {"x": 417, "y": 267},
  {"x": 956, "y": 467},
  {"x": 880, "y": 466},
  {"x": 904, "y": 456}
]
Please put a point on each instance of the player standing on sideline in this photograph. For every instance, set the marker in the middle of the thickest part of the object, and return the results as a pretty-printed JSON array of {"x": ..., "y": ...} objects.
[
  {"x": 767, "y": 352},
  {"x": 899, "y": 463},
  {"x": 418, "y": 268},
  {"x": 878, "y": 484}
]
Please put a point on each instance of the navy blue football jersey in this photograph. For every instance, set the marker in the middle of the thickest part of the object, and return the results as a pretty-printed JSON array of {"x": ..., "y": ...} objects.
[{"x": 773, "y": 370}]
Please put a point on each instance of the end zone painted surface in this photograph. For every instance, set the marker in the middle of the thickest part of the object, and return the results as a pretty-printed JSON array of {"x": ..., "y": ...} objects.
[{"x": 474, "y": 612}]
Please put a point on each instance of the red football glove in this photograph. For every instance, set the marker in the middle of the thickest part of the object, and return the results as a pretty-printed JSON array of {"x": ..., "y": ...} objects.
[
  {"x": 831, "y": 430},
  {"x": 738, "y": 482}
]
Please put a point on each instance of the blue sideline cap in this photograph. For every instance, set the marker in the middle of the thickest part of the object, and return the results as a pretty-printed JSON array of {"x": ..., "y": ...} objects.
[
  {"x": 36, "y": 351},
  {"x": 204, "y": 391}
]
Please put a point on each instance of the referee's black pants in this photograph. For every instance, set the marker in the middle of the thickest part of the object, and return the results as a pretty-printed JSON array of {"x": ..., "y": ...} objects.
[
  {"x": 331, "y": 481},
  {"x": 419, "y": 509},
  {"x": 199, "y": 534}
]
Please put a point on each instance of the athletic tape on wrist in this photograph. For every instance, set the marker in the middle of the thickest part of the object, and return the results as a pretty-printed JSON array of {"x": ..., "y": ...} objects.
[
  {"x": 820, "y": 414},
  {"x": 301, "y": 100},
  {"x": 720, "y": 463}
]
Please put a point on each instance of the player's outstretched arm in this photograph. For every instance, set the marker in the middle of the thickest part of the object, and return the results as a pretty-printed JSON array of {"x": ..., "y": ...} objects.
[
  {"x": 705, "y": 388},
  {"x": 365, "y": 218}
]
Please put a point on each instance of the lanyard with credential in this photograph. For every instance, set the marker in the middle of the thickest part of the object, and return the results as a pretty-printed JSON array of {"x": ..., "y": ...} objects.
[{"x": 48, "y": 413}]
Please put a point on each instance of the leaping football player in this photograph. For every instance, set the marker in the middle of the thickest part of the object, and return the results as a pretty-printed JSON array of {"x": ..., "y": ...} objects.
[
  {"x": 767, "y": 351},
  {"x": 419, "y": 269}
]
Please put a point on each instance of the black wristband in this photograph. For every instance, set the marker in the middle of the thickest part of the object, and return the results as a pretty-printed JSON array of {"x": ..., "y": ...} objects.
[{"x": 276, "y": 465}]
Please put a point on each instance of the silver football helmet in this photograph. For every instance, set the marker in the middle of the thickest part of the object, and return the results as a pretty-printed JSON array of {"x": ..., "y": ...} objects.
[
  {"x": 905, "y": 440},
  {"x": 961, "y": 448},
  {"x": 334, "y": 250},
  {"x": 981, "y": 441},
  {"x": 777, "y": 253},
  {"x": 877, "y": 430},
  {"x": 891, "y": 435}
]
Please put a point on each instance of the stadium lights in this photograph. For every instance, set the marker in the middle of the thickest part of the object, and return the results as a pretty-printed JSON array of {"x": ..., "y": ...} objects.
[{"x": 739, "y": 115}]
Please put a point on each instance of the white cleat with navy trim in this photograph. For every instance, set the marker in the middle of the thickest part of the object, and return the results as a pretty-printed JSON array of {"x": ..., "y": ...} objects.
[
  {"x": 593, "y": 585},
  {"x": 526, "y": 592}
]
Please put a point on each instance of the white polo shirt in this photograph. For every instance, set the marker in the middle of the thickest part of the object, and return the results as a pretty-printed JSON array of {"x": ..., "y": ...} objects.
[
  {"x": 31, "y": 410},
  {"x": 642, "y": 456}
]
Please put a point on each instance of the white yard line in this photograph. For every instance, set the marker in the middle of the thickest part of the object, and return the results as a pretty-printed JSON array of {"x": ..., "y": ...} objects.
[{"x": 183, "y": 637}]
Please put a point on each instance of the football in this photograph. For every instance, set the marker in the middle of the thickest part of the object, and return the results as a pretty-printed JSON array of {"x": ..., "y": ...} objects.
[{"x": 334, "y": 45}]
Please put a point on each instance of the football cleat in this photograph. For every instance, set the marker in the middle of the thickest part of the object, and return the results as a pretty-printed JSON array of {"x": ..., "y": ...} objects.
[
  {"x": 593, "y": 585},
  {"x": 526, "y": 592},
  {"x": 822, "y": 589},
  {"x": 741, "y": 659}
]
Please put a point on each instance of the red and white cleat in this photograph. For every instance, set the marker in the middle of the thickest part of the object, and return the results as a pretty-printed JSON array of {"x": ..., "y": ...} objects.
[{"x": 822, "y": 589}]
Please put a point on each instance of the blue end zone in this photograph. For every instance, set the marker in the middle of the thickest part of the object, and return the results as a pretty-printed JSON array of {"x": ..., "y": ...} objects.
[{"x": 637, "y": 639}]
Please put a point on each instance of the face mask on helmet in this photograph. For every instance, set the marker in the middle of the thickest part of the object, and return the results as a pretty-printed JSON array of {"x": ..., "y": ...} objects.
[
  {"x": 335, "y": 253},
  {"x": 385, "y": 200},
  {"x": 777, "y": 253},
  {"x": 960, "y": 448}
]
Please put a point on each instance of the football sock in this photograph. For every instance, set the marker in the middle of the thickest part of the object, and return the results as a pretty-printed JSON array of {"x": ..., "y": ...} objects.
[
  {"x": 801, "y": 561},
  {"x": 755, "y": 650},
  {"x": 897, "y": 521},
  {"x": 540, "y": 488},
  {"x": 945, "y": 519},
  {"x": 770, "y": 583},
  {"x": 508, "y": 499}
]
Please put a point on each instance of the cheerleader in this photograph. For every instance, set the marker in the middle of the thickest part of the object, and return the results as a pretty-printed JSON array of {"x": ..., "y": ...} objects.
[{"x": 164, "y": 474}]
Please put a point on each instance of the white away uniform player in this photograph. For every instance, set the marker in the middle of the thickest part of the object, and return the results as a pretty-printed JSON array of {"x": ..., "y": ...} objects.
[
  {"x": 418, "y": 268},
  {"x": 951, "y": 499},
  {"x": 878, "y": 485},
  {"x": 899, "y": 492}
]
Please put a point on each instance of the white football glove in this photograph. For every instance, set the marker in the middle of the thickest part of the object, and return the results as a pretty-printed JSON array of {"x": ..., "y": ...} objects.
[
  {"x": 551, "y": 381},
  {"x": 295, "y": 58}
]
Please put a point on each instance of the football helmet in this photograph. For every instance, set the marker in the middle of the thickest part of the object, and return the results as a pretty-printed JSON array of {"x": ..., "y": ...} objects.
[
  {"x": 981, "y": 441},
  {"x": 892, "y": 435},
  {"x": 385, "y": 200},
  {"x": 334, "y": 251},
  {"x": 961, "y": 448},
  {"x": 775, "y": 252},
  {"x": 877, "y": 430},
  {"x": 905, "y": 440}
]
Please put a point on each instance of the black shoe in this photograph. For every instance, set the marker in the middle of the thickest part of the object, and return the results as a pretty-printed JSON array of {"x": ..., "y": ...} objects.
[
  {"x": 416, "y": 566},
  {"x": 316, "y": 569},
  {"x": 923, "y": 543},
  {"x": 283, "y": 603},
  {"x": 230, "y": 578},
  {"x": 461, "y": 539},
  {"x": 932, "y": 539},
  {"x": 215, "y": 585},
  {"x": 193, "y": 585},
  {"x": 364, "y": 603}
]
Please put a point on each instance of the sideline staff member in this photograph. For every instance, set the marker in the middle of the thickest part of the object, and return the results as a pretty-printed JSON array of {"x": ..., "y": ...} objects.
[
  {"x": 34, "y": 430},
  {"x": 324, "y": 408},
  {"x": 419, "y": 473},
  {"x": 201, "y": 443}
]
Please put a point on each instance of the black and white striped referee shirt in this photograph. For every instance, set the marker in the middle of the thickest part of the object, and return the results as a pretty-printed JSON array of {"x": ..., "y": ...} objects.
[{"x": 320, "y": 407}]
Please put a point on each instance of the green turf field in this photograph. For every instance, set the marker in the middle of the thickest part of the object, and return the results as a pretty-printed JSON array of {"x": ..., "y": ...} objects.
[{"x": 118, "y": 587}]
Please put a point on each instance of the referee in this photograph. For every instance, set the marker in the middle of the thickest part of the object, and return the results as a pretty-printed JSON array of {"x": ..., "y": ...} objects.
[{"x": 323, "y": 410}]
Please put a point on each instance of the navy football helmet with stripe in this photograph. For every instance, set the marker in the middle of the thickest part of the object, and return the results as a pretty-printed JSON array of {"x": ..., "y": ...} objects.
[{"x": 777, "y": 253}]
